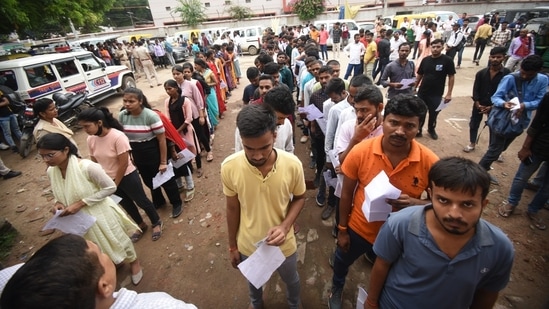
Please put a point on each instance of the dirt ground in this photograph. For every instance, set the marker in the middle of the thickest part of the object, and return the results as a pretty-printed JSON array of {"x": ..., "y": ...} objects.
[{"x": 190, "y": 261}]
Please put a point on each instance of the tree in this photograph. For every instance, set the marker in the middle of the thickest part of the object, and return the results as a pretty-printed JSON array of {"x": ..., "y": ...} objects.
[
  {"x": 239, "y": 12},
  {"x": 307, "y": 9},
  {"x": 192, "y": 12}
]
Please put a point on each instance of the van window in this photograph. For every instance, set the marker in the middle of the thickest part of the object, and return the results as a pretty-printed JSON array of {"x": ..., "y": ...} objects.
[
  {"x": 66, "y": 68},
  {"x": 251, "y": 32},
  {"x": 89, "y": 63},
  {"x": 40, "y": 75},
  {"x": 7, "y": 78}
]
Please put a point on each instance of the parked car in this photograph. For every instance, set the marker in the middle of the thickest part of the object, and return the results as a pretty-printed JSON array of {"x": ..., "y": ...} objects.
[
  {"x": 367, "y": 26},
  {"x": 41, "y": 76},
  {"x": 250, "y": 38}
]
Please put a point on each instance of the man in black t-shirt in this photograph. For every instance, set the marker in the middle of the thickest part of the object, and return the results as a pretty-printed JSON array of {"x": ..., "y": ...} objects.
[
  {"x": 431, "y": 78},
  {"x": 253, "y": 76}
]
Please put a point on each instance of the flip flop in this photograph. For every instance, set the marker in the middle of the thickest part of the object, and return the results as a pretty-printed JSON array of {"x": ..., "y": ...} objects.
[
  {"x": 210, "y": 157},
  {"x": 136, "y": 236},
  {"x": 156, "y": 235},
  {"x": 504, "y": 211},
  {"x": 199, "y": 172}
]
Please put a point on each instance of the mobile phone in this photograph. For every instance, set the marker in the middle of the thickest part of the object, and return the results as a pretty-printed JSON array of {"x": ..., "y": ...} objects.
[{"x": 528, "y": 161}]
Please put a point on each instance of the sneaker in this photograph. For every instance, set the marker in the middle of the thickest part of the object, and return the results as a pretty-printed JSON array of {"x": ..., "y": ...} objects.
[
  {"x": 176, "y": 211},
  {"x": 335, "y": 300},
  {"x": 11, "y": 174},
  {"x": 14, "y": 149},
  {"x": 304, "y": 139},
  {"x": 468, "y": 148},
  {"x": 312, "y": 164},
  {"x": 4, "y": 146},
  {"x": 500, "y": 159},
  {"x": 320, "y": 198},
  {"x": 327, "y": 212}
]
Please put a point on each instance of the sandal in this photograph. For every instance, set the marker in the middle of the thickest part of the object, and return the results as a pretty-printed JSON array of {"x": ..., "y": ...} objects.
[
  {"x": 189, "y": 195},
  {"x": 505, "y": 211},
  {"x": 210, "y": 157},
  {"x": 199, "y": 172},
  {"x": 536, "y": 221},
  {"x": 156, "y": 235},
  {"x": 136, "y": 236}
]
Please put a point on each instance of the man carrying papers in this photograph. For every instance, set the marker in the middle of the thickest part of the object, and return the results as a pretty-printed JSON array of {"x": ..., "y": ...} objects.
[
  {"x": 406, "y": 164},
  {"x": 258, "y": 183}
]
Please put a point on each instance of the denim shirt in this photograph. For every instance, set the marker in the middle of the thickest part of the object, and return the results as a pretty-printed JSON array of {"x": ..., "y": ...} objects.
[{"x": 532, "y": 93}]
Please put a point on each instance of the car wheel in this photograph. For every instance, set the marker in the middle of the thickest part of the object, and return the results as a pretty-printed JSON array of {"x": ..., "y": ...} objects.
[
  {"x": 252, "y": 50},
  {"x": 128, "y": 82}
]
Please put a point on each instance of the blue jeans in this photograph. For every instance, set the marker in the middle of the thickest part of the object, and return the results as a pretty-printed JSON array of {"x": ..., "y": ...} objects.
[
  {"x": 343, "y": 260},
  {"x": 10, "y": 126},
  {"x": 521, "y": 178},
  {"x": 288, "y": 273},
  {"x": 353, "y": 67},
  {"x": 460, "y": 55},
  {"x": 324, "y": 52},
  {"x": 498, "y": 144}
]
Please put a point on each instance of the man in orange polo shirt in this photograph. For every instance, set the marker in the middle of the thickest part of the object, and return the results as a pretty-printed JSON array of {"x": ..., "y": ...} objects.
[{"x": 406, "y": 163}]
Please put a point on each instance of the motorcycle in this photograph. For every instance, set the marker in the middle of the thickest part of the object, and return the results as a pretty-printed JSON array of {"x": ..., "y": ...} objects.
[{"x": 69, "y": 106}]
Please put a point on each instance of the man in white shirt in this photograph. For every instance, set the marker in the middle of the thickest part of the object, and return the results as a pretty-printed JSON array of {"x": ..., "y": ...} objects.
[
  {"x": 281, "y": 100},
  {"x": 419, "y": 28},
  {"x": 354, "y": 51},
  {"x": 454, "y": 42},
  {"x": 447, "y": 28},
  {"x": 466, "y": 30},
  {"x": 395, "y": 43}
]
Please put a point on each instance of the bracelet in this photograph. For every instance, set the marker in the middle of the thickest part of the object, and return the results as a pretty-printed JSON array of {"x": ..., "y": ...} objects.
[
  {"x": 371, "y": 304},
  {"x": 233, "y": 249},
  {"x": 341, "y": 228}
]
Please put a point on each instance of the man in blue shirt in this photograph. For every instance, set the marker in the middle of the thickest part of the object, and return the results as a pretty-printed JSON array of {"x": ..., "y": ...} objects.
[
  {"x": 534, "y": 86},
  {"x": 442, "y": 255}
]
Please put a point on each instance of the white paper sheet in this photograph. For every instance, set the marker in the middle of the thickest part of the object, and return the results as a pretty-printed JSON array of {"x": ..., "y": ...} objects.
[
  {"x": 161, "y": 178},
  {"x": 330, "y": 181},
  {"x": 361, "y": 298},
  {"x": 334, "y": 158},
  {"x": 115, "y": 198},
  {"x": 313, "y": 113},
  {"x": 374, "y": 207},
  {"x": 406, "y": 83},
  {"x": 442, "y": 105},
  {"x": 514, "y": 109},
  {"x": 183, "y": 156},
  {"x": 322, "y": 123},
  {"x": 259, "y": 266},
  {"x": 77, "y": 224}
]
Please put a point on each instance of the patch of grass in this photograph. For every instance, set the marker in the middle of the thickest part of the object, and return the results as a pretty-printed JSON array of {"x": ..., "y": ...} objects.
[{"x": 7, "y": 240}]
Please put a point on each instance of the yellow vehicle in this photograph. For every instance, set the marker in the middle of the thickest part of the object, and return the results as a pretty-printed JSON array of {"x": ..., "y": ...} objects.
[
  {"x": 187, "y": 35},
  {"x": 411, "y": 18}
]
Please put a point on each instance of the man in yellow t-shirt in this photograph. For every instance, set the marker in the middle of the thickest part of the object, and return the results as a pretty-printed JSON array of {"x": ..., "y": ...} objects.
[
  {"x": 370, "y": 55},
  {"x": 264, "y": 190}
]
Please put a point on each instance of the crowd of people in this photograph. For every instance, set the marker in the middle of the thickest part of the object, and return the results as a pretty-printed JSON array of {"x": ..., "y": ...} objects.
[{"x": 434, "y": 238}]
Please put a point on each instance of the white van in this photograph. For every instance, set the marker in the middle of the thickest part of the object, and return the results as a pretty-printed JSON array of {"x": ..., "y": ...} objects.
[
  {"x": 250, "y": 38},
  {"x": 444, "y": 15},
  {"x": 329, "y": 24},
  {"x": 41, "y": 76}
]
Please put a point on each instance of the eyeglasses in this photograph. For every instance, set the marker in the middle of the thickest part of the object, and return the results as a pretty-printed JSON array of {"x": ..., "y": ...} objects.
[{"x": 49, "y": 156}]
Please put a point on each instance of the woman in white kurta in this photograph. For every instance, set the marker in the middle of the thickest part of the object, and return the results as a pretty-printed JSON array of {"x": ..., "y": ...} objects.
[{"x": 82, "y": 185}]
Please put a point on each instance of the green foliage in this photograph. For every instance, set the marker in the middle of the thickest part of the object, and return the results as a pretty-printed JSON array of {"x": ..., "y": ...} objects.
[
  {"x": 192, "y": 12},
  {"x": 307, "y": 9},
  {"x": 7, "y": 240},
  {"x": 239, "y": 12}
]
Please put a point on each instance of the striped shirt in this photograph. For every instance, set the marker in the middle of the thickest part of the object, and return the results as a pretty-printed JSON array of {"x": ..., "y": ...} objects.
[{"x": 143, "y": 127}]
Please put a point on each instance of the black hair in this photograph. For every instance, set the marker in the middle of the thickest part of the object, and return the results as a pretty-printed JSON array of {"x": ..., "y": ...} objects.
[
  {"x": 498, "y": 50},
  {"x": 140, "y": 96},
  {"x": 252, "y": 72},
  {"x": 178, "y": 68},
  {"x": 437, "y": 41},
  {"x": 312, "y": 52},
  {"x": 200, "y": 62},
  {"x": 41, "y": 105},
  {"x": 456, "y": 173},
  {"x": 256, "y": 120},
  {"x": 95, "y": 114},
  {"x": 264, "y": 59},
  {"x": 271, "y": 68},
  {"x": 370, "y": 93},
  {"x": 404, "y": 44},
  {"x": 406, "y": 105},
  {"x": 360, "y": 80},
  {"x": 335, "y": 85},
  {"x": 333, "y": 62},
  {"x": 267, "y": 77},
  {"x": 172, "y": 83},
  {"x": 56, "y": 141},
  {"x": 62, "y": 274},
  {"x": 532, "y": 63},
  {"x": 280, "y": 99},
  {"x": 324, "y": 69},
  {"x": 427, "y": 35},
  {"x": 188, "y": 65}
]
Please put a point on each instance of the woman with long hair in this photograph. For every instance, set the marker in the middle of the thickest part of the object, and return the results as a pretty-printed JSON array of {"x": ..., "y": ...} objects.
[
  {"x": 213, "y": 107},
  {"x": 189, "y": 87},
  {"x": 147, "y": 136},
  {"x": 110, "y": 147},
  {"x": 424, "y": 48},
  {"x": 220, "y": 93},
  {"x": 82, "y": 185},
  {"x": 47, "y": 112},
  {"x": 178, "y": 110}
]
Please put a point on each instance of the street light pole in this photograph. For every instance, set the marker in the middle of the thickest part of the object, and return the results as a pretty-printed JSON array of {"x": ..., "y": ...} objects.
[{"x": 131, "y": 18}]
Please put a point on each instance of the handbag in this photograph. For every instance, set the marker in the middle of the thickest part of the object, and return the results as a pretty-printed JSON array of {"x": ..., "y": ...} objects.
[{"x": 500, "y": 122}]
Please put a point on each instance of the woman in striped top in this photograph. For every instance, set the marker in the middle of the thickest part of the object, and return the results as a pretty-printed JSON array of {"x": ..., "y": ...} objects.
[{"x": 149, "y": 149}]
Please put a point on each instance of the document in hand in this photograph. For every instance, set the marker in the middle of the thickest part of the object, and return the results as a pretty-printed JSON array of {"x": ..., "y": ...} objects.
[
  {"x": 161, "y": 178},
  {"x": 406, "y": 83},
  {"x": 260, "y": 266},
  {"x": 374, "y": 207},
  {"x": 183, "y": 156},
  {"x": 313, "y": 113},
  {"x": 78, "y": 223},
  {"x": 442, "y": 105},
  {"x": 361, "y": 298}
]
